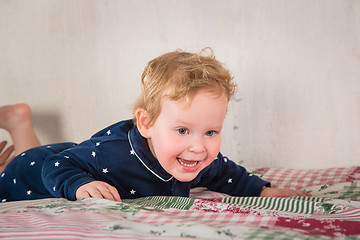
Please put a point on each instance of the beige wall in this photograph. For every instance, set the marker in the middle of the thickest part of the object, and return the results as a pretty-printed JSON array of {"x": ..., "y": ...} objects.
[{"x": 78, "y": 63}]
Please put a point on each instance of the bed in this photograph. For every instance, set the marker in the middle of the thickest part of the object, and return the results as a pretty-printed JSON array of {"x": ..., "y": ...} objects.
[{"x": 333, "y": 212}]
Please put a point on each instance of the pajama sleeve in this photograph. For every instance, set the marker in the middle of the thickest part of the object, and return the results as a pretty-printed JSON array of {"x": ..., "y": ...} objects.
[
  {"x": 225, "y": 176},
  {"x": 64, "y": 173}
]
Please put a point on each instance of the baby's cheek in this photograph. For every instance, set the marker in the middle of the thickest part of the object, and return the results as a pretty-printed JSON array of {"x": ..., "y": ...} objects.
[
  {"x": 214, "y": 152},
  {"x": 209, "y": 160}
]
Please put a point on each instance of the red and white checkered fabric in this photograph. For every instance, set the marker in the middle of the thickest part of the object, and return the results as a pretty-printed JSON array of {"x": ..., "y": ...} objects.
[{"x": 299, "y": 179}]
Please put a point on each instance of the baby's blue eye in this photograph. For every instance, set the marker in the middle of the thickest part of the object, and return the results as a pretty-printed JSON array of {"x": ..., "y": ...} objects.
[
  {"x": 182, "y": 131},
  {"x": 210, "y": 133}
]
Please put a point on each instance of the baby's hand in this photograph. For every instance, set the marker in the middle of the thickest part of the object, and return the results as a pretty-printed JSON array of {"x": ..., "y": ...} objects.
[
  {"x": 282, "y": 192},
  {"x": 98, "y": 189}
]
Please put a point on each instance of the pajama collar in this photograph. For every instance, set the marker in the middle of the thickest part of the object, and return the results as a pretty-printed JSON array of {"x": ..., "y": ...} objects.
[{"x": 141, "y": 150}]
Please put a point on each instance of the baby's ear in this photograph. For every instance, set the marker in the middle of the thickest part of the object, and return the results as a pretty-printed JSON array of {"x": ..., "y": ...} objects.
[{"x": 142, "y": 122}]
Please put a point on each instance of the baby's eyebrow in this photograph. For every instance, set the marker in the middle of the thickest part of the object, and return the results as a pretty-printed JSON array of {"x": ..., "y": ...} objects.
[{"x": 181, "y": 123}]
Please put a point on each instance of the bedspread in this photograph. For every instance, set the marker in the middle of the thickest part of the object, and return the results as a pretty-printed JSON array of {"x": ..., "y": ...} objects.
[{"x": 333, "y": 212}]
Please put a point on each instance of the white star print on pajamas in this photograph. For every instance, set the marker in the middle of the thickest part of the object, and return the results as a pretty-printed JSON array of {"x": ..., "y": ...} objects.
[{"x": 115, "y": 156}]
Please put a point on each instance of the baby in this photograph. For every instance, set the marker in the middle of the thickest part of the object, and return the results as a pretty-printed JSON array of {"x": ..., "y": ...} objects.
[{"x": 171, "y": 145}]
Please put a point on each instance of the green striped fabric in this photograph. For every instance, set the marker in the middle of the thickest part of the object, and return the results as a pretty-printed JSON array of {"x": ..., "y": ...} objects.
[
  {"x": 163, "y": 202},
  {"x": 302, "y": 205}
]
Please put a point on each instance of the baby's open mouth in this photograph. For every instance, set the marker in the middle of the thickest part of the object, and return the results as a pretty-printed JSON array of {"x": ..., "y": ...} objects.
[{"x": 187, "y": 163}]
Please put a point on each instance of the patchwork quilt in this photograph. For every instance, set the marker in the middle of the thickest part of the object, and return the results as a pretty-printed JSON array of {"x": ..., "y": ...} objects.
[{"x": 333, "y": 212}]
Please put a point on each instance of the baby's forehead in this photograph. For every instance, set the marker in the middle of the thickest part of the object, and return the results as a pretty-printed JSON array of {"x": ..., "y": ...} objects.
[
  {"x": 204, "y": 110},
  {"x": 177, "y": 95},
  {"x": 187, "y": 100}
]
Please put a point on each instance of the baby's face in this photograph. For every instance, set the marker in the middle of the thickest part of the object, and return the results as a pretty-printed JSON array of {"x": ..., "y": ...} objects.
[{"x": 186, "y": 137}]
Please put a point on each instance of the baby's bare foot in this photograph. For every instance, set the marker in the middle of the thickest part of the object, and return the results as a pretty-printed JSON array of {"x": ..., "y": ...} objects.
[
  {"x": 15, "y": 116},
  {"x": 5, "y": 155},
  {"x": 17, "y": 120}
]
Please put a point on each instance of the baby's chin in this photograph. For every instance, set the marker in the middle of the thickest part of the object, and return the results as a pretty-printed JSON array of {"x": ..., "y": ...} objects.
[{"x": 186, "y": 177}]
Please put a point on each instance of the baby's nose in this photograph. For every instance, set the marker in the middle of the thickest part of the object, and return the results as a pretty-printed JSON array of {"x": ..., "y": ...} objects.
[{"x": 197, "y": 146}]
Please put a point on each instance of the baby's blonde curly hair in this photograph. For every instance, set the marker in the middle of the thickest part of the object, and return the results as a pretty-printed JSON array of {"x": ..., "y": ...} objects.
[{"x": 178, "y": 75}]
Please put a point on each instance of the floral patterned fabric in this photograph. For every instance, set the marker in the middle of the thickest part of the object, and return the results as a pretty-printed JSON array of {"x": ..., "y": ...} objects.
[{"x": 332, "y": 213}]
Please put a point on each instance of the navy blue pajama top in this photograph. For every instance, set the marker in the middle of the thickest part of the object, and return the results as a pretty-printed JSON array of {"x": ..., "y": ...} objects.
[{"x": 119, "y": 156}]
